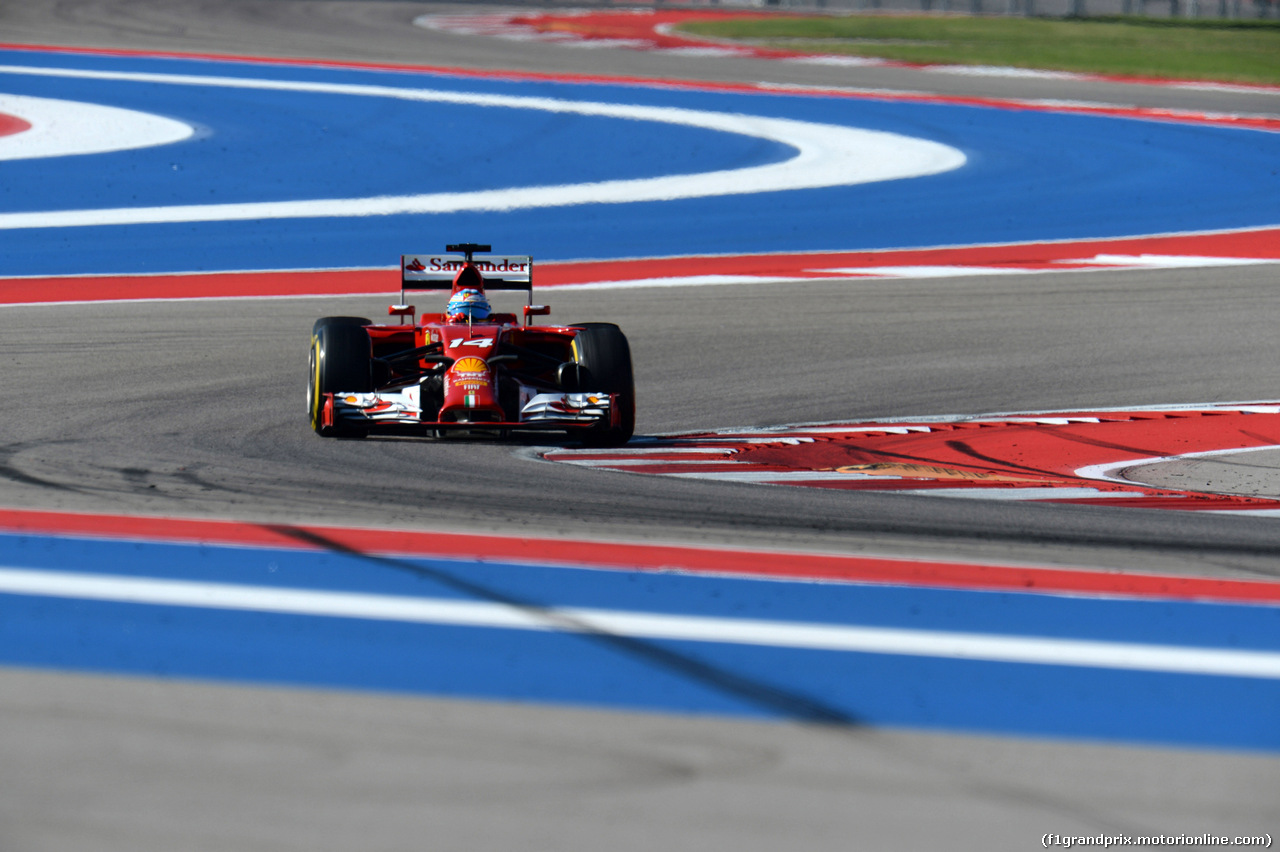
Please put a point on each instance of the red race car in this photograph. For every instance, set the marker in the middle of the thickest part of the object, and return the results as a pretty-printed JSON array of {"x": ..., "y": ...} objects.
[{"x": 470, "y": 369}]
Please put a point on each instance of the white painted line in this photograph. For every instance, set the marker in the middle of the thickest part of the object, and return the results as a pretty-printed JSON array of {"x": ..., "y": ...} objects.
[
  {"x": 852, "y": 428},
  {"x": 605, "y": 455},
  {"x": 1259, "y": 406},
  {"x": 1253, "y": 513},
  {"x": 61, "y": 128},
  {"x": 1006, "y": 71},
  {"x": 1045, "y": 421},
  {"x": 1168, "y": 261},
  {"x": 1033, "y": 650},
  {"x": 825, "y": 155},
  {"x": 730, "y": 438},
  {"x": 839, "y": 61},
  {"x": 606, "y": 43},
  {"x": 924, "y": 271},
  {"x": 676, "y": 281},
  {"x": 704, "y": 51},
  {"x": 1226, "y": 87},
  {"x": 1030, "y": 493},
  {"x": 770, "y": 477},
  {"x": 888, "y": 430},
  {"x": 642, "y": 462}
]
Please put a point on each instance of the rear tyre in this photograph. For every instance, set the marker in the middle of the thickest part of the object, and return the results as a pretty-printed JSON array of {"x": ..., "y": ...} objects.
[
  {"x": 341, "y": 362},
  {"x": 602, "y": 349}
]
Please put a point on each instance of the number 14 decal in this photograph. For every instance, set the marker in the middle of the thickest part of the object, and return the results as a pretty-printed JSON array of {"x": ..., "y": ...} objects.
[{"x": 484, "y": 342}]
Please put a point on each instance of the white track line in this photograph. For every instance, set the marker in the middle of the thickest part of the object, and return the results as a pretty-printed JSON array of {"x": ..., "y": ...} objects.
[
  {"x": 802, "y": 635},
  {"x": 61, "y": 128},
  {"x": 825, "y": 155}
]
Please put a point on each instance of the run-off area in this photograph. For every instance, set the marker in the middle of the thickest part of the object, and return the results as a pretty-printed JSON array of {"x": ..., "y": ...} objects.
[
  {"x": 1102, "y": 667},
  {"x": 568, "y": 170}
]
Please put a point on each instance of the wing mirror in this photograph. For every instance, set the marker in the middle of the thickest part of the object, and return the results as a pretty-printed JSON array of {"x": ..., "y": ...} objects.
[
  {"x": 401, "y": 311},
  {"x": 535, "y": 311}
]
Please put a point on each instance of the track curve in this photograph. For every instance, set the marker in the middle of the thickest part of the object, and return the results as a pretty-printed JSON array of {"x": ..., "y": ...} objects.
[{"x": 195, "y": 409}]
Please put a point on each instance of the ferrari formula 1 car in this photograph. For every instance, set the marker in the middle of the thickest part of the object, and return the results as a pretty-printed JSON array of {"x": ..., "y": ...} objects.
[{"x": 469, "y": 369}]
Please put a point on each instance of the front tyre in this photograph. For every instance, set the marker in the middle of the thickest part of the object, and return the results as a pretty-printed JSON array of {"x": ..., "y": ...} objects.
[
  {"x": 341, "y": 362},
  {"x": 602, "y": 349}
]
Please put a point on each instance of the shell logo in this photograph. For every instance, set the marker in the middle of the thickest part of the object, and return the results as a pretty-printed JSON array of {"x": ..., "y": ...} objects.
[{"x": 470, "y": 365}]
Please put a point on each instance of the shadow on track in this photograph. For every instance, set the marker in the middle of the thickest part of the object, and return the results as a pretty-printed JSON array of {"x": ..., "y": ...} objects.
[{"x": 767, "y": 697}]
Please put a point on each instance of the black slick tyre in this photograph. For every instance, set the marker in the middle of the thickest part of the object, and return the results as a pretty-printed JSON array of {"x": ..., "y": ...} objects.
[
  {"x": 602, "y": 349},
  {"x": 341, "y": 362},
  {"x": 326, "y": 321}
]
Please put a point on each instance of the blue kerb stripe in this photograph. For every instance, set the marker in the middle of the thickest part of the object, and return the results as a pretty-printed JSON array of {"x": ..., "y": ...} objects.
[{"x": 621, "y": 669}]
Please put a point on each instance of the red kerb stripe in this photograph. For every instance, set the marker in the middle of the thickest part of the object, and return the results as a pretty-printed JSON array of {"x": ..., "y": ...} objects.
[{"x": 646, "y": 557}]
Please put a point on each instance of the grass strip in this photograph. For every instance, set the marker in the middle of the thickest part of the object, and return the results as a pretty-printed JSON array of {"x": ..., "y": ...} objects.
[{"x": 1242, "y": 51}]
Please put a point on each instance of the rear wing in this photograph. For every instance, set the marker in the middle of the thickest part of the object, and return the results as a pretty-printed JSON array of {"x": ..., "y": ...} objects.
[{"x": 437, "y": 271}]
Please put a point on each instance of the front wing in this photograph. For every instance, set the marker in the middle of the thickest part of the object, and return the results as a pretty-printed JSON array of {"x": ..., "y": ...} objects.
[{"x": 396, "y": 410}]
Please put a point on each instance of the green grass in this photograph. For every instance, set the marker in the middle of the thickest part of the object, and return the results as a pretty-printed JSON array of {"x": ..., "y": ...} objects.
[{"x": 1236, "y": 50}]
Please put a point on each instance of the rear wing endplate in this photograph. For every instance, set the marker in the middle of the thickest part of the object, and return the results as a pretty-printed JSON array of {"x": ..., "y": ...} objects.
[{"x": 437, "y": 271}]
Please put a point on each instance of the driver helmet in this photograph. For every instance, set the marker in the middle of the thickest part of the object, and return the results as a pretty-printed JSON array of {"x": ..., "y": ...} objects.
[{"x": 467, "y": 304}]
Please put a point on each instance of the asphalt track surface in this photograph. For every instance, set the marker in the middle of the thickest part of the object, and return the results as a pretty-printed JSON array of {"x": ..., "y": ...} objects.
[{"x": 195, "y": 410}]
